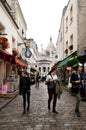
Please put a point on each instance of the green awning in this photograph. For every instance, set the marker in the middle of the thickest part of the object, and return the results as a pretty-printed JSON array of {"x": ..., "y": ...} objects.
[
  {"x": 66, "y": 60},
  {"x": 74, "y": 60}
]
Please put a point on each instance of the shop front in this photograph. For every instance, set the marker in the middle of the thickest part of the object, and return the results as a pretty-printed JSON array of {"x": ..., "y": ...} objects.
[{"x": 9, "y": 76}]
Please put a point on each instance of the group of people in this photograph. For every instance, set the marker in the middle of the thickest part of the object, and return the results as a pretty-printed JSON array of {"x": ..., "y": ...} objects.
[{"x": 54, "y": 88}]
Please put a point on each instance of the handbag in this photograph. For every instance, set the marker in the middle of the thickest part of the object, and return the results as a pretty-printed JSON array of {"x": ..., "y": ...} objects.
[{"x": 58, "y": 89}]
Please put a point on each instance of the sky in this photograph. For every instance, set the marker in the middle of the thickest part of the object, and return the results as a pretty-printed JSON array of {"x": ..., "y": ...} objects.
[{"x": 43, "y": 19}]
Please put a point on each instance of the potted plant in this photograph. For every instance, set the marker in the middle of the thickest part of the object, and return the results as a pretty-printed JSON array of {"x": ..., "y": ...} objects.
[
  {"x": 15, "y": 52},
  {"x": 4, "y": 44}
]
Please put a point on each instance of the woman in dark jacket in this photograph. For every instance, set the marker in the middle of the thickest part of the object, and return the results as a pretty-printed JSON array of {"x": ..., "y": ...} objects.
[
  {"x": 76, "y": 80},
  {"x": 24, "y": 90}
]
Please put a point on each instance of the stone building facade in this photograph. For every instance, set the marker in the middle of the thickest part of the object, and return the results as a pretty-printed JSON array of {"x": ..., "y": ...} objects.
[{"x": 72, "y": 33}]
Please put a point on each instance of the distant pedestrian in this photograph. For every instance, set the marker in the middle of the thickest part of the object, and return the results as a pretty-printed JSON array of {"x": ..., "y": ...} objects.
[
  {"x": 37, "y": 76},
  {"x": 76, "y": 80},
  {"x": 24, "y": 90},
  {"x": 51, "y": 80}
]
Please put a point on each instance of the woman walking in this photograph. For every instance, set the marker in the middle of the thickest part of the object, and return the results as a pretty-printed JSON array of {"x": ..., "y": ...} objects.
[
  {"x": 24, "y": 90},
  {"x": 51, "y": 82}
]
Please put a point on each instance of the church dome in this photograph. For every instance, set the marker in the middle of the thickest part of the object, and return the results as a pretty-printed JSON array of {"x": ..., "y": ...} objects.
[
  {"x": 42, "y": 53},
  {"x": 50, "y": 46}
]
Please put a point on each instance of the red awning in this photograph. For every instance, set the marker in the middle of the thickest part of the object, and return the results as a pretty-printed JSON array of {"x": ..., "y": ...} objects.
[
  {"x": 20, "y": 62},
  {"x": 6, "y": 56},
  {"x": 10, "y": 58}
]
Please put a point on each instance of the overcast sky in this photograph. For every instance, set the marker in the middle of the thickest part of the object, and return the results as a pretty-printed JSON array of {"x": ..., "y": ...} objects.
[{"x": 43, "y": 19}]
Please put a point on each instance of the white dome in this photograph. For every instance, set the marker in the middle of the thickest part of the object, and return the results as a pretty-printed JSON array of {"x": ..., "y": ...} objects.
[
  {"x": 42, "y": 53},
  {"x": 50, "y": 46}
]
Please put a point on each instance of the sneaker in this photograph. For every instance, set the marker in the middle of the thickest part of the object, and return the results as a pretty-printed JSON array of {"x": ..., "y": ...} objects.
[{"x": 54, "y": 111}]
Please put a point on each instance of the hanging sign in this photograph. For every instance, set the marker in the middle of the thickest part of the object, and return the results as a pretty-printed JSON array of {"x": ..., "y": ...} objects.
[{"x": 28, "y": 53}]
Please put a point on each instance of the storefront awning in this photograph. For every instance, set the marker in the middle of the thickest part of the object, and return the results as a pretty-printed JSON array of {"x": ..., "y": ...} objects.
[
  {"x": 6, "y": 56},
  {"x": 10, "y": 58},
  {"x": 72, "y": 61},
  {"x": 66, "y": 60}
]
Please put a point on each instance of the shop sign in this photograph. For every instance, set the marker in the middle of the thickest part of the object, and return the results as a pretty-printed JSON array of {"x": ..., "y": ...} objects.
[{"x": 28, "y": 53}]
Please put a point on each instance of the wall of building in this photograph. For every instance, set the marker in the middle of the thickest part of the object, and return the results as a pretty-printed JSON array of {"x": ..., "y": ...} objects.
[
  {"x": 70, "y": 26},
  {"x": 81, "y": 26}
]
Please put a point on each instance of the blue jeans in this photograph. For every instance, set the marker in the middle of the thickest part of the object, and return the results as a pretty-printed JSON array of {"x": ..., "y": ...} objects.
[{"x": 26, "y": 98}]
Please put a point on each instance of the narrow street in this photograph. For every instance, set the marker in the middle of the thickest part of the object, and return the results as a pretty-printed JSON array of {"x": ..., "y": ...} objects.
[{"x": 39, "y": 118}]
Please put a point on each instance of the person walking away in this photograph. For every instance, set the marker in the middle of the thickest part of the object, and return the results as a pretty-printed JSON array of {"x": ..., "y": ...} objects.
[
  {"x": 37, "y": 79},
  {"x": 76, "y": 80},
  {"x": 24, "y": 90},
  {"x": 51, "y": 79}
]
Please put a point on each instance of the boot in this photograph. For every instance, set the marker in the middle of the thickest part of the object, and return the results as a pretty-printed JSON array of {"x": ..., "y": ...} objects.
[
  {"x": 48, "y": 106},
  {"x": 54, "y": 111},
  {"x": 77, "y": 113}
]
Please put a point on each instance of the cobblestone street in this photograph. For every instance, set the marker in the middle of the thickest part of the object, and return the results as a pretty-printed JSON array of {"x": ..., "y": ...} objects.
[{"x": 39, "y": 118}]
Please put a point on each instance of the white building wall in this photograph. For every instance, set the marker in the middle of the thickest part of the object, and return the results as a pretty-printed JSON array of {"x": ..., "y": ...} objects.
[
  {"x": 9, "y": 27},
  {"x": 72, "y": 26},
  {"x": 59, "y": 43}
]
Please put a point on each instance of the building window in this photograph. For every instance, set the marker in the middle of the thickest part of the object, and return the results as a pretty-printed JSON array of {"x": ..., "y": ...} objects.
[
  {"x": 66, "y": 44},
  {"x": 61, "y": 36},
  {"x": 44, "y": 69},
  {"x": 2, "y": 28},
  {"x": 71, "y": 14},
  {"x": 40, "y": 69},
  {"x": 66, "y": 50},
  {"x": 48, "y": 69},
  {"x": 71, "y": 43},
  {"x": 66, "y": 23}
]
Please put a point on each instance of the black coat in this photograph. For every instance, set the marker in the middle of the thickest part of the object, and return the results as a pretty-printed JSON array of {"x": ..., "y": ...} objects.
[
  {"x": 76, "y": 86},
  {"x": 24, "y": 84}
]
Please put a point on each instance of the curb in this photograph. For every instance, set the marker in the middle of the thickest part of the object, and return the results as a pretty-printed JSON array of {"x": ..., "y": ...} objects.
[{"x": 7, "y": 103}]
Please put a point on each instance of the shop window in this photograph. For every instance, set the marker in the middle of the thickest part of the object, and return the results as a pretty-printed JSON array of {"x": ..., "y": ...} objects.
[
  {"x": 48, "y": 69},
  {"x": 40, "y": 69}
]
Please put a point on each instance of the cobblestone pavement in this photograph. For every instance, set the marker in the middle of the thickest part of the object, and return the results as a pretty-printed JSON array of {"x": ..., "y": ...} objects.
[{"x": 39, "y": 118}]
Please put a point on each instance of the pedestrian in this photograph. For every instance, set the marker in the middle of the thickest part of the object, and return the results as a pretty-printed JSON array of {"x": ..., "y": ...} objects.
[
  {"x": 84, "y": 83},
  {"x": 51, "y": 79},
  {"x": 24, "y": 90},
  {"x": 76, "y": 80},
  {"x": 37, "y": 76}
]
